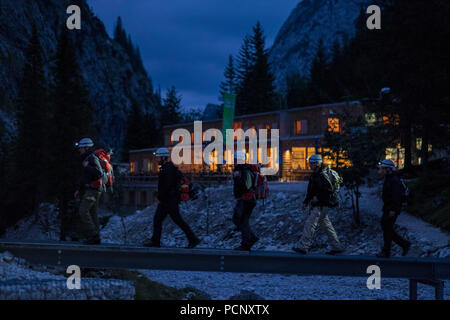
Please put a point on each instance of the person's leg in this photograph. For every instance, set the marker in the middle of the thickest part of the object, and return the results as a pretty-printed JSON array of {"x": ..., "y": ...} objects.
[
  {"x": 387, "y": 224},
  {"x": 310, "y": 228},
  {"x": 402, "y": 242},
  {"x": 94, "y": 212},
  {"x": 158, "y": 218},
  {"x": 328, "y": 228},
  {"x": 88, "y": 200},
  {"x": 248, "y": 238},
  {"x": 237, "y": 213},
  {"x": 174, "y": 212}
]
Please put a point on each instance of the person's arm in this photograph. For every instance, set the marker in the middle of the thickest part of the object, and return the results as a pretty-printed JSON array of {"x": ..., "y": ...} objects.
[
  {"x": 396, "y": 195},
  {"x": 309, "y": 193},
  {"x": 94, "y": 169}
]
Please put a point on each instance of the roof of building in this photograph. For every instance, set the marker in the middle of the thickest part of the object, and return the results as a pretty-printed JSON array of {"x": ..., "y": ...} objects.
[{"x": 271, "y": 112}]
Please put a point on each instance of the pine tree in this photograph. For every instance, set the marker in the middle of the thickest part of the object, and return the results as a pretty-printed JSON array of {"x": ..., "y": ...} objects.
[
  {"x": 171, "y": 107},
  {"x": 255, "y": 90},
  {"x": 318, "y": 77},
  {"x": 245, "y": 62},
  {"x": 262, "y": 93},
  {"x": 296, "y": 91},
  {"x": 229, "y": 84},
  {"x": 72, "y": 120},
  {"x": 30, "y": 154}
]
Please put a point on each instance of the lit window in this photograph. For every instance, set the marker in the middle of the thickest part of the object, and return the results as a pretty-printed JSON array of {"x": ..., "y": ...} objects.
[
  {"x": 298, "y": 126},
  {"x": 333, "y": 125},
  {"x": 132, "y": 166}
]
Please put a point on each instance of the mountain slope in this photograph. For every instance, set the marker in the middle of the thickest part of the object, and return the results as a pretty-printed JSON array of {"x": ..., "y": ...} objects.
[
  {"x": 296, "y": 43},
  {"x": 105, "y": 66}
]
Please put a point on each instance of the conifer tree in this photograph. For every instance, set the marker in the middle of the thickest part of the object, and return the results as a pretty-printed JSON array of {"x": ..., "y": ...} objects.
[
  {"x": 72, "y": 120},
  {"x": 171, "y": 107},
  {"x": 30, "y": 148},
  {"x": 229, "y": 84}
]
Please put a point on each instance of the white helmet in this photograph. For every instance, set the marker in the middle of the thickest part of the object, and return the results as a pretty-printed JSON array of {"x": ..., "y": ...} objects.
[
  {"x": 162, "y": 152},
  {"x": 387, "y": 164},
  {"x": 240, "y": 156},
  {"x": 315, "y": 158},
  {"x": 84, "y": 143}
]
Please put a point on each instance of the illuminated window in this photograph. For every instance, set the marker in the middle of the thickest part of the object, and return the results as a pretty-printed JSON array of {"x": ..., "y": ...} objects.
[
  {"x": 393, "y": 120},
  {"x": 298, "y": 160},
  {"x": 333, "y": 125},
  {"x": 298, "y": 126},
  {"x": 267, "y": 126},
  {"x": 192, "y": 137},
  {"x": 237, "y": 125},
  {"x": 132, "y": 166}
]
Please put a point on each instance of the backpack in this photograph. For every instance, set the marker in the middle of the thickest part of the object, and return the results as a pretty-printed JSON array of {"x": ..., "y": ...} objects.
[
  {"x": 187, "y": 190},
  {"x": 105, "y": 158},
  {"x": 336, "y": 181},
  {"x": 239, "y": 184},
  {"x": 260, "y": 184}
]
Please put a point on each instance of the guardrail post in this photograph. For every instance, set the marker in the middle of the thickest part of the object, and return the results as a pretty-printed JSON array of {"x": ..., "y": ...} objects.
[
  {"x": 412, "y": 289},
  {"x": 439, "y": 290}
]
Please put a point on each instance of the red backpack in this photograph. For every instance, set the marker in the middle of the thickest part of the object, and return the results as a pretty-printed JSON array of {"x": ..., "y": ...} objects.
[
  {"x": 185, "y": 189},
  {"x": 260, "y": 183},
  {"x": 108, "y": 177}
]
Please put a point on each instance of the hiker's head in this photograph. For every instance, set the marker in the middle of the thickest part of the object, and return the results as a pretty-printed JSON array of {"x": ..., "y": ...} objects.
[
  {"x": 162, "y": 155},
  {"x": 239, "y": 157},
  {"x": 84, "y": 145},
  {"x": 386, "y": 167},
  {"x": 315, "y": 162}
]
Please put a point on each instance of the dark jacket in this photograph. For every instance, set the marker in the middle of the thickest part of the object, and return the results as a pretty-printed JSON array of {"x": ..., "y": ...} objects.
[
  {"x": 392, "y": 193},
  {"x": 168, "y": 182},
  {"x": 243, "y": 182},
  {"x": 319, "y": 186},
  {"x": 92, "y": 172}
]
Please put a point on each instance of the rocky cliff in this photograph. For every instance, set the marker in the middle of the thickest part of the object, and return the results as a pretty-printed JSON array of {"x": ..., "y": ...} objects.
[
  {"x": 105, "y": 66},
  {"x": 296, "y": 43}
]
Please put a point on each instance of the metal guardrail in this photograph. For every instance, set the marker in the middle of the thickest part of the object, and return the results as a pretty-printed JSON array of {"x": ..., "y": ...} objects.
[{"x": 425, "y": 270}]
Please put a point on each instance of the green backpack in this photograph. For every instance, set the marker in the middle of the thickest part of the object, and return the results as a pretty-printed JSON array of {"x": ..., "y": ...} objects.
[{"x": 336, "y": 182}]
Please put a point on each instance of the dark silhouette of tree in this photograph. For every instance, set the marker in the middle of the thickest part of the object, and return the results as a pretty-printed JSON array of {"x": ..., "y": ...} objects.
[
  {"x": 72, "y": 120},
  {"x": 171, "y": 107},
  {"x": 230, "y": 83},
  {"x": 30, "y": 157}
]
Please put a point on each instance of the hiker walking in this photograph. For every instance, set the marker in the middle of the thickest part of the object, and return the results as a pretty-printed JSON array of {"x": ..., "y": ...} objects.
[
  {"x": 321, "y": 195},
  {"x": 90, "y": 190},
  {"x": 244, "y": 192},
  {"x": 169, "y": 197},
  {"x": 393, "y": 191}
]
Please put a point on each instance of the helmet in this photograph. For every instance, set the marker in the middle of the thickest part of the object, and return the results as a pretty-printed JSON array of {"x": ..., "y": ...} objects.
[
  {"x": 388, "y": 163},
  {"x": 84, "y": 143},
  {"x": 240, "y": 156},
  {"x": 162, "y": 152},
  {"x": 315, "y": 158}
]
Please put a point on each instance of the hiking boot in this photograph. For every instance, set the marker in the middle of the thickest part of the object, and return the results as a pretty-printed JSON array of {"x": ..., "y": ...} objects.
[
  {"x": 193, "y": 244},
  {"x": 333, "y": 252},
  {"x": 406, "y": 248},
  {"x": 252, "y": 242},
  {"x": 92, "y": 240},
  {"x": 383, "y": 254},
  {"x": 151, "y": 244},
  {"x": 300, "y": 250}
]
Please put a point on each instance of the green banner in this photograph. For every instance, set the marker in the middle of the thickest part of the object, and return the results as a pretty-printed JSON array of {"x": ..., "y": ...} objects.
[{"x": 229, "y": 100}]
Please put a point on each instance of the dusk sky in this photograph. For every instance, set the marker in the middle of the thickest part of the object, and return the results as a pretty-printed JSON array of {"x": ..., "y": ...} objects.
[{"x": 187, "y": 43}]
